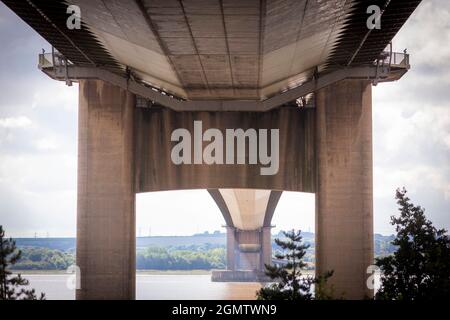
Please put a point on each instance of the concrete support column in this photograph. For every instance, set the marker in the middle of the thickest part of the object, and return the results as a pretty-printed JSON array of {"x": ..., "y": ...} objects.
[
  {"x": 231, "y": 248},
  {"x": 249, "y": 250},
  {"x": 344, "y": 198},
  {"x": 266, "y": 247},
  {"x": 106, "y": 198}
]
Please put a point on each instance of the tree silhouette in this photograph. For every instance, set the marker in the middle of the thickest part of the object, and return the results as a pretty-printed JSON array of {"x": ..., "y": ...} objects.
[
  {"x": 420, "y": 268},
  {"x": 290, "y": 284},
  {"x": 12, "y": 287}
]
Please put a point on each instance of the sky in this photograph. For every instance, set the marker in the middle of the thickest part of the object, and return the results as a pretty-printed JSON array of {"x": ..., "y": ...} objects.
[{"x": 38, "y": 142}]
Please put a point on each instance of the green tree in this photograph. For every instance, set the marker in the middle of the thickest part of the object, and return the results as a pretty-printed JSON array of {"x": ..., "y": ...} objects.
[
  {"x": 174, "y": 258},
  {"x": 290, "y": 284},
  {"x": 420, "y": 268},
  {"x": 12, "y": 287}
]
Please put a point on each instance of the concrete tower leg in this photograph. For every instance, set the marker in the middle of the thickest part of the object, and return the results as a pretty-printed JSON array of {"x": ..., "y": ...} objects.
[
  {"x": 106, "y": 199},
  {"x": 231, "y": 248},
  {"x": 266, "y": 247},
  {"x": 344, "y": 198}
]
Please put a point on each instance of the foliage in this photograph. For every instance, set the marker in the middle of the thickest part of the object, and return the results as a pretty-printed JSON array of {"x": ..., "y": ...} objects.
[
  {"x": 204, "y": 257},
  {"x": 44, "y": 259},
  {"x": 12, "y": 287},
  {"x": 175, "y": 259},
  {"x": 290, "y": 284},
  {"x": 420, "y": 268}
]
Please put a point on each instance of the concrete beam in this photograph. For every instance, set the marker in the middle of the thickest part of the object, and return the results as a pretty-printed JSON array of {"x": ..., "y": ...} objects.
[
  {"x": 155, "y": 170},
  {"x": 266, "y": 247},
  {"x": 271, "y": 206},
  {"x": 138, "y": 88},
  {"x": 344, "y": 197},
  {"x": 217, "y": 196},
  {"x": 106, "y": 244},
  {"x": 247, "y": 207}
]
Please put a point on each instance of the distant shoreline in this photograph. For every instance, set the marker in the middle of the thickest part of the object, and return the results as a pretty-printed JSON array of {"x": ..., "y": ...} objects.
[{"x": 138, "y": 272}]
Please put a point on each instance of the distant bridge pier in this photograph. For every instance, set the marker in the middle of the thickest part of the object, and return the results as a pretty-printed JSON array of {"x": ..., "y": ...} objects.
[
  {"x": 248, "y": 251},
  {"x": 248, "y": 214}
]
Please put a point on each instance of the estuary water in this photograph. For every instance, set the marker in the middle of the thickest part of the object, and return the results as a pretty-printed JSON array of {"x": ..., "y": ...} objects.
[
  {"x": 158, "y": 287},
  {"x": 154, "y": 287}
]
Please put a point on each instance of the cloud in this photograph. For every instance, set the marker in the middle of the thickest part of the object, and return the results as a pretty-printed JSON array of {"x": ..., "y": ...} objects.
[
  {"x": 38, "y": 193},
  {"x": 23, "y": 213},
  {"x": 426, "y": 34},
  {"x": 411, "y": 121},
  {"x": 15, "y": 122},
  {"x": 46, "y": 144},
  {"x": 171, "y": 212},
  {"x": 38, "y": 138}
]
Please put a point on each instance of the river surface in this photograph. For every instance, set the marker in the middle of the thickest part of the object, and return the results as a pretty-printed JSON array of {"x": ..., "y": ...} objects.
[{"x": 156, "y": 287}]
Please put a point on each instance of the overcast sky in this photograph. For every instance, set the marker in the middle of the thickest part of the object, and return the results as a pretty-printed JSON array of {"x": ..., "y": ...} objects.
[{"x": 38, "y": 142}]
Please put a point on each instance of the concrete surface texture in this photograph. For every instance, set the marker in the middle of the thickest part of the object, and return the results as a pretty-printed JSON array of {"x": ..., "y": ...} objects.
[
  {"x": 344, "y": 197},
  {"x": 155, "y": 170},
  {"x": 342, "y": 181},
  {"x": 240, "y": 50},
  {"x": 247, "y": 207},
  {"x": 106, "y": 237},
  {"x": 221, "y": 49},
  {"x": 248, "y": 235}
]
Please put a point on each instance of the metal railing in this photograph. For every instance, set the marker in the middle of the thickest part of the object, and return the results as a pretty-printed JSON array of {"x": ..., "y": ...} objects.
[
  {"x": 52, "y": 59},
  {"x": 55, "y": 60},
  {"x": 399, "y": 60},
  {"x": 394, "y": 63},
  {"x": 394, "y": 59}
]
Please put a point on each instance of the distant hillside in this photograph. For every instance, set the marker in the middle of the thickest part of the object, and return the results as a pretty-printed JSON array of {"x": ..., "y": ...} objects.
[
  {"x": 215, "y": 239},
  {"x": 69, "y": 244},
  {"x": 199, "y": 251},
  {"x": 382, "y": 244},
  {"x": 62, "y": 244}
]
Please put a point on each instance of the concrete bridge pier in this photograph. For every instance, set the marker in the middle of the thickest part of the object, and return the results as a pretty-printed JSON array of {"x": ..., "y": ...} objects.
[
  {"x": 248, "y": 214},
  {"x": 339, "y": 152},
  {"x": 344, "y": 195},
  {"x": 248, "y": 249},
  {"x": 247, "y": 253},
  {"x": 106, "y": 225}
]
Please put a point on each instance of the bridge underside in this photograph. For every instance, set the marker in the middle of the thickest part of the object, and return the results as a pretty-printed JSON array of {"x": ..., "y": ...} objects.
[
  {"x": 217, "y": 49},
  {"x": 326, "y": 150},
  {"x": 196, "y": 60}
]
